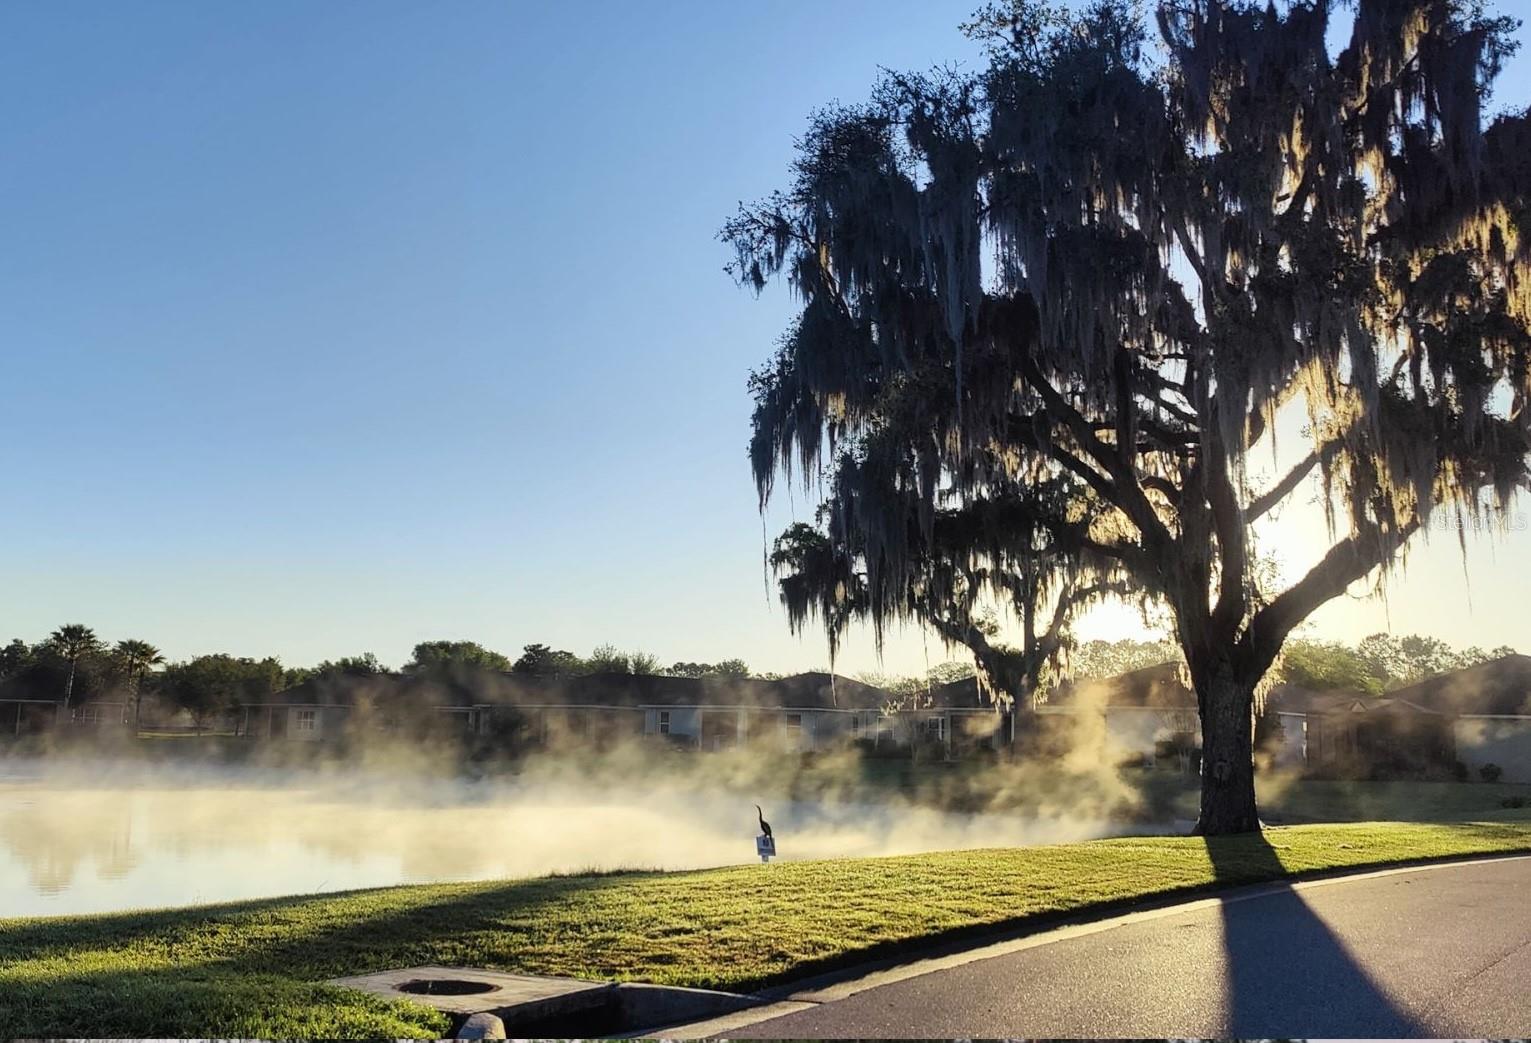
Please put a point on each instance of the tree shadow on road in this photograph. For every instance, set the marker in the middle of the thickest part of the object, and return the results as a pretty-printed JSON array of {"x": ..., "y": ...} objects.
[{"x": 1288, "y": 974}]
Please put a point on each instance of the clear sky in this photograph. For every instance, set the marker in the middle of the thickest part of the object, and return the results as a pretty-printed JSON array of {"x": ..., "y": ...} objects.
[{"x": 333, "y": 327}]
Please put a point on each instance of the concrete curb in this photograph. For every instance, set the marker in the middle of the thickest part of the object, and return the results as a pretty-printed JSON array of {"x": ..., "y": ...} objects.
[
  {"x": 646, "y": 1005},
  {"x": 831, "y": 986}
]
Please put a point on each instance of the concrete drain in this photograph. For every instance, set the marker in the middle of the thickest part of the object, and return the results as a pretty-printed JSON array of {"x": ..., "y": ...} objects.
[
  {"x": 446, "y": 987},
  {"x": 488, "y": 1004}
]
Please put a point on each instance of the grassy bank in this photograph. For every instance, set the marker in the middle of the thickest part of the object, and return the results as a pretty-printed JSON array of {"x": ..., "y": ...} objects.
[{"x": 252, "y": 969}]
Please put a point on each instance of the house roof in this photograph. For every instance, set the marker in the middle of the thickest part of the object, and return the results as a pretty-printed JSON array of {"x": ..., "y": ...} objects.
[
  {"x": 340, "y": 690},
  {"x": 470, "y": 687},
  {"x": 1291, "y": 699},
  {"x": 1153, "y": 686},
  {"x": 804, "y": 691},
  {"x": 1157, "y": 686},
  {"x": 1501, "y": 686},
  {"x": 962, "y": 694}
]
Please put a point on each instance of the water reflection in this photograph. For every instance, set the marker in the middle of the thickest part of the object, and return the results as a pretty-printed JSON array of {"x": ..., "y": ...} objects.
[
  {"x": 52, "y": 836},
  {"x": 71, "y": 844}
]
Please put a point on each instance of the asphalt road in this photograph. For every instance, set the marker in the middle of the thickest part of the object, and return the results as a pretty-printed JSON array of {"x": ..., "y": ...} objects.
[{"x": 1441, "y": 953}]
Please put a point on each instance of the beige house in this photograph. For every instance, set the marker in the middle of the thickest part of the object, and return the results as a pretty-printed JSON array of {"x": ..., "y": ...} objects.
[
  {"x": 1480, "y": 716},
  {"x": 1489, "y": 710},
  {"x": 803, "y": 713}
]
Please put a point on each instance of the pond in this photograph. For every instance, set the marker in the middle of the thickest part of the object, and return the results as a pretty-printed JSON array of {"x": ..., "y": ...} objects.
[{"x": 96, "y": 839}]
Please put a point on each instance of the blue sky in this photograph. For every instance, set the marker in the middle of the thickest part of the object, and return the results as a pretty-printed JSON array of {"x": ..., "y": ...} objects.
[{"x": 338, "y": 326}]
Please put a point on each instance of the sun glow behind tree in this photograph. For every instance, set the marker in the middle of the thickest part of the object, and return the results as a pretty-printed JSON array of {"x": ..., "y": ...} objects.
[{"x": 1179, "y": 252}]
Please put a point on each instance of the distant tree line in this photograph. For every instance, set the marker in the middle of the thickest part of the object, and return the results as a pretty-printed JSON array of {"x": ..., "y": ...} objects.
[
  {"x": 1096, "y": 659},
  {"x": 906, "y": 687},
  {"x": 1376, "y": 664},
  {"x": 72, "y": 666},
  {"x": 1379, "y": 663}
]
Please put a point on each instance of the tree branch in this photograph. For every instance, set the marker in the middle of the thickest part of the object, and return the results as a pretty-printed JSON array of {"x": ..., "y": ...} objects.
[
  {"x": 1347, "y": 561},
  {"x": 1262, "y": 504},
  {"x": 1127, "y": 494}
]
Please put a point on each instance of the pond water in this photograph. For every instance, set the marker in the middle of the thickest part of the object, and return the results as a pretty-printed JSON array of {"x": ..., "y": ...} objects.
[{"x": 82, "y": 841}]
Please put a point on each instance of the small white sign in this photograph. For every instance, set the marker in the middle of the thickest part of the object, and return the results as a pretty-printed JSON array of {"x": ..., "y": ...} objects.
[{"x": 765, "y": 847}]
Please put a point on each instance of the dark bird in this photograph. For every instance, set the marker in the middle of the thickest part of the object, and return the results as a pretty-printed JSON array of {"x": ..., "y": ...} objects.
[{"x": 765, "y": 827}]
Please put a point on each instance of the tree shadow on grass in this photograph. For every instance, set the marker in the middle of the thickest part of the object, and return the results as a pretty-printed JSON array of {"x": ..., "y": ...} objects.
[
  {"x": 1287, "y": 973},
  {"x": 166, "y": 974},
  {"x": 29, "y": 937},
  {"x": 197, "y": 999}
]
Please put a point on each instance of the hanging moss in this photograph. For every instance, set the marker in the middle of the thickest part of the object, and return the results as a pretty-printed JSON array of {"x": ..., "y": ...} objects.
[{"x": 1049, "y": 310}]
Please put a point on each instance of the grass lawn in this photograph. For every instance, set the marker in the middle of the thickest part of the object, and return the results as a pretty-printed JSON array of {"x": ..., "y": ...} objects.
[
  {"x": 1311, "y": 800},
  {"x": 252, "y": 969}
]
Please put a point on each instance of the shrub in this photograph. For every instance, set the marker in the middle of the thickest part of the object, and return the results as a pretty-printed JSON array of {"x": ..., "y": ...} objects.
[
  {"x": 1459, "y": 771},
  {"x": 1490, "y": 772},
  {"x": 1513, "y": 802},
  {"x": 888, "y": 751}
]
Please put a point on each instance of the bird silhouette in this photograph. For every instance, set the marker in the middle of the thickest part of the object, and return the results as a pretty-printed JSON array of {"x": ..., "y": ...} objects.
[{"x": 765, "y": 827}]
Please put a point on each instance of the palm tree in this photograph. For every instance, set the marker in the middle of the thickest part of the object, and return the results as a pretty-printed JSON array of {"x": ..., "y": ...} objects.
[
  {"x": 136, "y": 657},
  {"x": 74, "y": 641}
]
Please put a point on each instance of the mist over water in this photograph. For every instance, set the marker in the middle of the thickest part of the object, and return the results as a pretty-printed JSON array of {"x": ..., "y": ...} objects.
[{"x": 85, "y": 837}]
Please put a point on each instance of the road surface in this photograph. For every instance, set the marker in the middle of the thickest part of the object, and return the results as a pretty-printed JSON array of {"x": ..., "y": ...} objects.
[{"x": 1441, "y": 953}]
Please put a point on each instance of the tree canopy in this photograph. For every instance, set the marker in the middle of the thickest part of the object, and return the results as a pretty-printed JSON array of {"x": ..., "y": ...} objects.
[
  {"x": 906, "y": 686},
  {"x": 1051, "y": 311},
  {"x": 439, "y": 655},
  {"x": 722, "y": 668},
  {"x": 1400, "y": 661},
  {"x": 542, "y": 661},
  {"x": 209, "y": 685},
  {"x": 133, "y": 659},
  {"x": 1094, "y": 659},
  {"x": 608, "y": 659}
]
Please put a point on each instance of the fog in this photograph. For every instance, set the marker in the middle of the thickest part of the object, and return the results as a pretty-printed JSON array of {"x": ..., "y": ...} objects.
[{"x": 84, "y": 834}]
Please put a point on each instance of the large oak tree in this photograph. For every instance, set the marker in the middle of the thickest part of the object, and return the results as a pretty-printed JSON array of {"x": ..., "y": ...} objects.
[{"x": 1050, "y": 313}]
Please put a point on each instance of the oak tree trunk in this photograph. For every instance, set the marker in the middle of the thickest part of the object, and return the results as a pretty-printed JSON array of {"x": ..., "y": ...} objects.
[{"x": 1227, "y": 753}]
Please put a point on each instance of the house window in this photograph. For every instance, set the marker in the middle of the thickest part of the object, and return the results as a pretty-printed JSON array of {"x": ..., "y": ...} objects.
[
  {"x": 664, "y": 722},
  {"x": 855, "y": 724},
  {"x": 795, "y": 720},
  {"x": 935, "y": 727},
  {"x": 308, "y": 720}
]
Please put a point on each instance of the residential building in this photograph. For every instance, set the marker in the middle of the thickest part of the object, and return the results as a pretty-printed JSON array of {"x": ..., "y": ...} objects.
[
  {"x": 1489, "y": 710},
  {"x": 803, "y": 713}
]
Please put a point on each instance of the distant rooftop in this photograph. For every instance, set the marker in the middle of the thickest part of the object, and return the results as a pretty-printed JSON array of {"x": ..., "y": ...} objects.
[
  {"x": 1153, "y": 686},
  {"x": 1501, "y": 686},
  {"x": 466, "y": 686}
]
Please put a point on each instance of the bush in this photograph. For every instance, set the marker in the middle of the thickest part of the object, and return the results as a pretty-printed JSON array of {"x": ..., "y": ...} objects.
[
  {"x": 1490, "y": 772},
  {"x": 888, "y": 750},
  {"x": 677, "y": 742},
  {"x": 1513, "y": 802},
  {"x": 1459, "y": 771}
]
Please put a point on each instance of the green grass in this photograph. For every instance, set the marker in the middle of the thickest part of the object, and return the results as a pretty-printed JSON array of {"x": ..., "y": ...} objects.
[
  {"x": 1406, "y": 801},
  {"x": 253, "y": 969}
]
